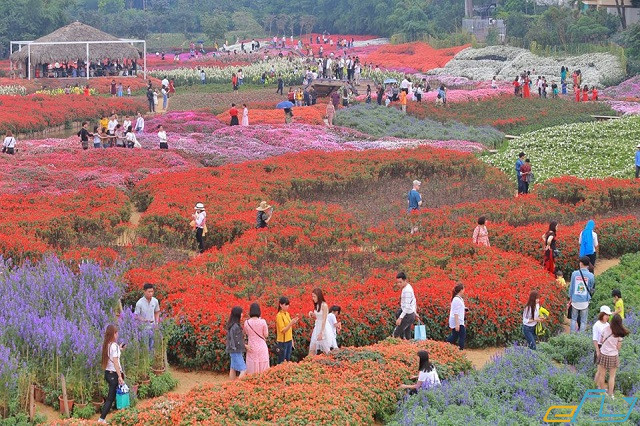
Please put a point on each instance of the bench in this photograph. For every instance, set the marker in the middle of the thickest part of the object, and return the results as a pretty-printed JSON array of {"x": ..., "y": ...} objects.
[{"x": 605, "y": 117}]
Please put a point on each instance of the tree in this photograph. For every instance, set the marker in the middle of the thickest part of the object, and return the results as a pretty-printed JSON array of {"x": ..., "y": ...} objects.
[
  {"x": 281, "y": 23},
  {"x": 215, "y": 26},
  {"x": 268, "y": 22},
  {"x": 111, "y": 6}
]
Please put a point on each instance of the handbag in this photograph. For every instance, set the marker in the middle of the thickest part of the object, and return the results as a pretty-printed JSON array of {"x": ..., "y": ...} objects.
[
  {"x": 274, "y": 348},
  {"x": 420, "y": 331}
]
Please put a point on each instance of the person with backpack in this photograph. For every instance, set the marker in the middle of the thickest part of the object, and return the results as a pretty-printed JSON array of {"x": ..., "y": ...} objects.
[{"x": 581, "y": 291}]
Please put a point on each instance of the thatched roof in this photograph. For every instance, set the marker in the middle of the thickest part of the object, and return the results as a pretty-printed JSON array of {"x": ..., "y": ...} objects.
[{"x": 48, "y": 54}]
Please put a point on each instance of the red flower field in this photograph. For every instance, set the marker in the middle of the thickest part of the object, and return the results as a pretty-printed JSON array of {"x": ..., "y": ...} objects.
[{"x": 417, "y": 55}]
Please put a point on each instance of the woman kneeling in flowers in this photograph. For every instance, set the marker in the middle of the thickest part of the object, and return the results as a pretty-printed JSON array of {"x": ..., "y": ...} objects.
[{"x": 427, "y": 375}]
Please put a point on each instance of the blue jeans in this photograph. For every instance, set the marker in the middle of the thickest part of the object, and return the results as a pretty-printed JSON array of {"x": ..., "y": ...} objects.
[
  {"x": 285, "y": 351},
  {"x": 164, "y": 102},
  {"x": 458, "y": 336},
  {"x": 574, "y": 319},
  {"x": 149, "y": 338},
  {"x": 530, "y": 334}
]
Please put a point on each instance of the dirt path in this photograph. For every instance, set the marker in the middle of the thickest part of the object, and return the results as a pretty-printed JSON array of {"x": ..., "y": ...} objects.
[
  {"x": 129, "y": 235},
  {"x": 188, "y": 380},
  {"x": 604, "y": 264},
  {"x": 481, "y": 357}
]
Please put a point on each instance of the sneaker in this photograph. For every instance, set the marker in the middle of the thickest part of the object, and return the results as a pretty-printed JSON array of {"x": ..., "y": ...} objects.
[{"x": 101, "y": 420}]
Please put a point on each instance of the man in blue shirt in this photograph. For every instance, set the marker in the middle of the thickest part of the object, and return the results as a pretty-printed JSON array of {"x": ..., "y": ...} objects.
[
  {"x": 638, "y": 161},
  {"x": 519, "y": 164},
  {"x": 414, "y": 199},
  {"x": 582, "y": 287}
]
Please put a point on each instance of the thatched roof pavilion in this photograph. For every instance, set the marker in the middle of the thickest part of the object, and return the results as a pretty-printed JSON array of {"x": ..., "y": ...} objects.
[
  {"x": 76, "y": 41},
  {"x": 76, "y": 32}
]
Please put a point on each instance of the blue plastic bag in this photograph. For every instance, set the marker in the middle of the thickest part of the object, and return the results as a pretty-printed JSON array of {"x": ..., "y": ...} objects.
[
  {"x": 420, "y": 332},
  {"x": 122, "y": 397}
]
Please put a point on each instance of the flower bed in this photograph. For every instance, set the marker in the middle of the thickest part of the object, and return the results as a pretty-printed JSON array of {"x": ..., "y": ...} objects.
[
  {"x": 291, "y": 72},
  {"x": 349, "y": 386},
  {"x": 528, "y": 383},
  {"x": 628, "y": 90},
  {"x": 508, "y": 114},
  {"x": 598, "y": 195},
  {"x": 309, "y": 115},
  {"x": 416, "y": 56},
  {"x": 61, "y": 165},
  {"x": 86, "y": 217},
  {"x": 625, "y": 107},
  {"x": 507, "y": 62},
  {"x": 379, "y": 121},
  {"x": 585, "y": 150},
  {"x": 53, "y": 319},
  {"x": 624, "y": 277},
  {"x": 33, "y": 113}
]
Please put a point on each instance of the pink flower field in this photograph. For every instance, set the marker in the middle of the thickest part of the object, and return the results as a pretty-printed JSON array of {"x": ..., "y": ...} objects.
[{"x": 196, "y": 139}]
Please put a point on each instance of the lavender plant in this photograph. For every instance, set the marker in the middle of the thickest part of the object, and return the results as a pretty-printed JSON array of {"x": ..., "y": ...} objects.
[{"x": 52, "y": 320}]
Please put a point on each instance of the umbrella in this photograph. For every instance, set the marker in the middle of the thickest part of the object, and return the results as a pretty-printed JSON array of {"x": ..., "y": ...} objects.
[
  {"x": 201, "y": 41},
  {"x": 284, "y": 105},
  {"x": 390, "y": 81}
]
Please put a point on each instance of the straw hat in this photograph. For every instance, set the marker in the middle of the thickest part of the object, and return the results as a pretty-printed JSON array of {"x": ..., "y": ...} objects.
[
  {"x": 263, "y": 206},
  {"x": 199, "y": 206}
]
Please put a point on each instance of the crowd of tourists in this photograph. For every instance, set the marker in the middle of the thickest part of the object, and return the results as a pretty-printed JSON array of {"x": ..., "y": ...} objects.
[
  {"x": 523, "y": 85},
  {"x": 246, "y": 340}
]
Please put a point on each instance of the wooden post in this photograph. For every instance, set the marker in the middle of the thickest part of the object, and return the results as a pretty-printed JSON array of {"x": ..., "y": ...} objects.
[
  {"x": 32, "y": 402},
  {"x": 65, "y": 400}
]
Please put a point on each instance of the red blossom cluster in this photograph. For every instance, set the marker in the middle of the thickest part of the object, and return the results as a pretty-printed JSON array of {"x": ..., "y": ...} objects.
[
  {"x": 349, "y": 386},
  {"x": 37, "y": 112}
]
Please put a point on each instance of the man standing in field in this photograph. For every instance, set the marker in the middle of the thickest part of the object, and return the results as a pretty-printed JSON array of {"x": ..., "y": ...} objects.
[
  {"x": 148, "y": 312},
  {"x": 415, "y": 201},
  {"x": 519, "y": 164},
  {"x": 407, "y": 307}
]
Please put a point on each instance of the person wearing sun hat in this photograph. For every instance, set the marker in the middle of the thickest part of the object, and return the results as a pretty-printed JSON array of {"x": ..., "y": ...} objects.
[
  {"x": 200, "y": 223},
  {"x": 265, "y": 211},
  {"x": 598, "y": 328},
  {"x": 638, "y": 161}
]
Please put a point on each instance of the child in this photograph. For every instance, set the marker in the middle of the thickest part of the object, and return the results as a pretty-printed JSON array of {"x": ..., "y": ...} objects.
[
  {"x": 332, "y": 319},
  {"x": 439, "y": 100},
  {"x": 119, "y": 133},
  {"x": 618, "y": 303},
  {"x": 594, "y": 97},
  {"x": 155, "y": 99},
  {"x": 97, "y": 143},
  {"x": 427, "y": 374},
  {"x": 235, "y": 346},
  {"x": 560, "y": 279},
  {"x": 128, "y": 90},
  {"x": 104, "y": 122},
  {"x": 106, "y": 141},
  {"x": 284, "y": 333}
]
